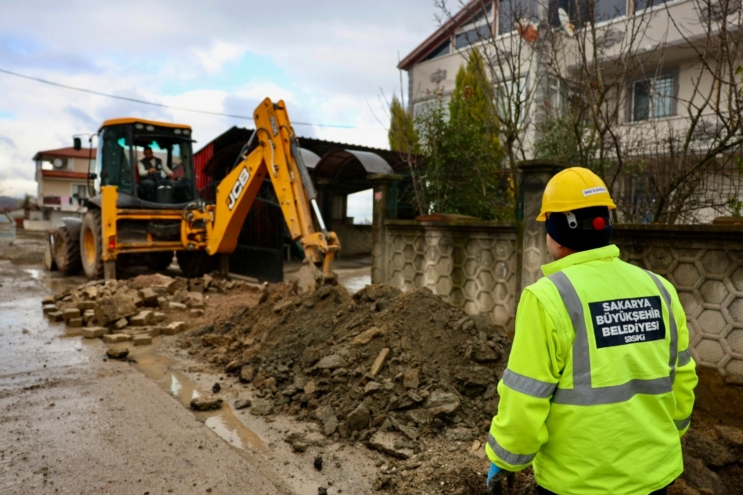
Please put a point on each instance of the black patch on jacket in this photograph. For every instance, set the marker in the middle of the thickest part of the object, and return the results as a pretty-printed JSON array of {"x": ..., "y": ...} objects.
[{"x": 627, "y": 321}]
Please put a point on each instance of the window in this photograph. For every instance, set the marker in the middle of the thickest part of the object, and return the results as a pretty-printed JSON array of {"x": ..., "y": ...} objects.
[
  {"x": 653, "y": 98},
  {"x": 510, "y": 11},
  {"x": 603, "y": 10},
  {"x": 471, "y": 36},
  {"x": 79, "y": 191},
  {"x": 645, "y": 4},
  {"x": 439, "y": 51},
  {"x": 582, "y": 11}
]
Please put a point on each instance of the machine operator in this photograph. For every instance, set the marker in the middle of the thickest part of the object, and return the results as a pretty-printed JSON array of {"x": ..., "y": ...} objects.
[{"x": 153, "y": 173}]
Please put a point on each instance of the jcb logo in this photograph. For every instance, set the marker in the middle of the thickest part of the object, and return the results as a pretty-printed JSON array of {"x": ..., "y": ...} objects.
[{"x": 237, "y": 189}]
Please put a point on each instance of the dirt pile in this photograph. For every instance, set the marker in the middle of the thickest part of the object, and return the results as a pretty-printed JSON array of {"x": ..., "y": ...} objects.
[
  {"x": 136, "y": 309},
  {"x": 395, "y": 371}
]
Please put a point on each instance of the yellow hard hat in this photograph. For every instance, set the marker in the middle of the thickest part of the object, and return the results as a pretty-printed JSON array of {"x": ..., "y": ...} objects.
[{"x": 572, "y": 189}]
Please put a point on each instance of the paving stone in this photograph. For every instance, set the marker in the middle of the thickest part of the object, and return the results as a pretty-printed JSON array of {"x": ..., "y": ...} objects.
[
  {"x": 93, "y": 332},
  {"x": 177, "y": 305},
  {"x": 149, "y": 296},
  {"x": 70, "y": 313},
  {"x": 85, "y": 305},
  {"x": 143, "y": 318},
  {"x": 173, "y": 328},
  {"x": 142, "y": 339},
  {"x": 55, "y": 316},
  {"x": 195, "y": 313},
  {"x": 117, "y": 352},
  {"x": 47, "y": 300},
  {"x": 116, "y": 338},
  {"x": 75, "y": 322},
  {"x": 159, "y": 317},
  {"x": 49, "y": 308}
]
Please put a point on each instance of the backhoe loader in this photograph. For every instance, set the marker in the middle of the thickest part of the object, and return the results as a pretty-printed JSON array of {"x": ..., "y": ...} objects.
[{"x": 148, "y": 206}]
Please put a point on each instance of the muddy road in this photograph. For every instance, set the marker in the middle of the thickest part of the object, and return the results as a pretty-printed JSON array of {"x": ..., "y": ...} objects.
[{"x": 72, "y": 421}]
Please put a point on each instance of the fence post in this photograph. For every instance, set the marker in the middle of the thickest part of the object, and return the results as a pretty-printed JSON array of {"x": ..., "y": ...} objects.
[
  {"x": 385, "y": 208},
  {"x": 535, "y": 174}
]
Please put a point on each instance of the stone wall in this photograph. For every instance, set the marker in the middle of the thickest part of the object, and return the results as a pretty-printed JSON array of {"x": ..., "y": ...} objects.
[
  {"x": 472, "y": 265},
  {"x": 705, "y": 265},
  {"x": 478, "y": 265}
]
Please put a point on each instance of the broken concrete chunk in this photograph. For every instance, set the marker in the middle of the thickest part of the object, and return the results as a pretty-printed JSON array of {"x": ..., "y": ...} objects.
[
  {"x": 331, "y": 362},
  {"x": 120, "y": 323},
  {"x": 390, "y": 444},
  {"x": 261, "y": 407},
  {"x": 115, "y": 338},
  {"x": 379, "y": 362},
  {"x": 162, "y": 303},
  {"x": 113, "y": 308},
  {"x": 366, "y": 336},
  {"x": 174, "y": 328},
  {"x": 372, "y": 387},
  {"x": 247, "y": 373},
  {"x": 242, "y": 403},
  {"x": 176, "y": 305},
  {"x": 327, "y": 416},
  {"x": 195, "y": 313},
  {"x": 359, "y": 418},
  {"x": 91, "y": 292},
  {"x": 142, "y": 339},
  {"x": 196, "y": 285},
  {"x": 149, "y": 296},
  {"x": 440, "y": 402},
  {"x": 411, "y": 378},
  {"x": 206, "y": 402},
  {"x": 88, "y": 315},
  {"x": 310, "y": 387},
  {"x": 93, "y": 332}
]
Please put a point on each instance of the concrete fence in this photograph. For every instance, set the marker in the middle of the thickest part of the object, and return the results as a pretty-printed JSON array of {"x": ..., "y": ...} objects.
[{"x": 483, "y": 266}]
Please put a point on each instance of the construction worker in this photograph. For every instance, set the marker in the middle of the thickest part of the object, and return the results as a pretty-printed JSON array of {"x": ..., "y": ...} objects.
[
  {"x": 599, "y": 385},
  {"x": 153, "y": 174}
]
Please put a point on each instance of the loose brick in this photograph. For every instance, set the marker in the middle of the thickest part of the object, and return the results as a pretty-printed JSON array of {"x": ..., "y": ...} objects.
[
  {"x": 55, "y": 316},
  {"x": 142, "y": 339},
  {"x": 176, "y": 305},
  {"x": 49, "y": 308},
  {"x": 75, "y": 322},
  {"x": 93, "y": 332},
  {"x": 159, "y": 317},
  {"x": 70, "y": 313},
  {"x": 85, "y": 305},
  {"x": 142, "y": 319},
  {"x": 174, "y": 328},
  {"x": 116, "y": 338}
]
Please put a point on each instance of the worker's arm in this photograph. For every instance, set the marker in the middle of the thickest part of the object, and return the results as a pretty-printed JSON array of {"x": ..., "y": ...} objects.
[
  {"x": 141, "y": 169},
  {"x": 686, "y": 375},
  {"x": 167, "y": 171},
  {"x": 534, "y": 367}
]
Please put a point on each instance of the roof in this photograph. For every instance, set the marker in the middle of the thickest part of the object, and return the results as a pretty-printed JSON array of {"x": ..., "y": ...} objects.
[
  {"x": 134, "y": 120},
  {"x": 63, "y": 174},
  {"x": 65, "y": 153},
  {"x": 440, "y": 35}
]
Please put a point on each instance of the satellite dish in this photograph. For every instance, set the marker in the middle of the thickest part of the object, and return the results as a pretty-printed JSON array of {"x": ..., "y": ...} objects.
[
  {"x": 565, "y": 24},
  {"x": 528, "y": 30},
  {"x": 58, "y": 163}
]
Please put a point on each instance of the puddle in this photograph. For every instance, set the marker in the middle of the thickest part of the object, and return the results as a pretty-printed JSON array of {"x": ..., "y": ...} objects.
[
  {"x": 54, "y": 280},
  {"x": 355, "y": 284},
  {"x": 222, "y": 422}
]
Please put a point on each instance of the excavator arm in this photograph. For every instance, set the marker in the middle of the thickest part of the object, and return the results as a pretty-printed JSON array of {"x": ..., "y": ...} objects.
[{"x": 216, "y": 227}]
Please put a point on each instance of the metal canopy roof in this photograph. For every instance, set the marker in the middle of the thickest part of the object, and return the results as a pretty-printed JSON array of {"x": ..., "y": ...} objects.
[{"x": 346, "y": 171}]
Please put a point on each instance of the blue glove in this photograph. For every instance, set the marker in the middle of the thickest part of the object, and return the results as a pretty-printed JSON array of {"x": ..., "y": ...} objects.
[{"x": 494, "y": 470}]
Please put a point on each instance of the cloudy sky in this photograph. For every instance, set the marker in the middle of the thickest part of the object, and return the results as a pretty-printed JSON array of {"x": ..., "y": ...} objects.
[{"x": 330, "y": 60}]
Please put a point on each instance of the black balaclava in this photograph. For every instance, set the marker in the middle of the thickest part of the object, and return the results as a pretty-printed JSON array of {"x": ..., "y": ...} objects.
[{"x": 581, "y": 230}]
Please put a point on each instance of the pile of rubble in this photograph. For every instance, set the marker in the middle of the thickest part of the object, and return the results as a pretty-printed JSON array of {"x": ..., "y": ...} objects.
[
  {"x": 395, "y": 371},
  {"x": 134, "y": 310}
]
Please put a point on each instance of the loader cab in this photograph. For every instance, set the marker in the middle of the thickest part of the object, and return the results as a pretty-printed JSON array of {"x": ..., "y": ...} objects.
[{"x": 122, "y": 147}]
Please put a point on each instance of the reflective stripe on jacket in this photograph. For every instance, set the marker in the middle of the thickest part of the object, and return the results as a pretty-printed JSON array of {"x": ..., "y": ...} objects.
[{"x": 599, "y": 385}]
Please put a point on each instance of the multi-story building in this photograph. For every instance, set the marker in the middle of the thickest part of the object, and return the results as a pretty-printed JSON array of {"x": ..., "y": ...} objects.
[
  {"x": 660, "y": 75},
  {"x": 62, "y": 179}
]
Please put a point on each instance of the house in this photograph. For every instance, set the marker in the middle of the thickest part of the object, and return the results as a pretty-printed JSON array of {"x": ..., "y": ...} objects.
[
  {"x": 649, "y": 83},
  {"x": 62, "y": 180}
]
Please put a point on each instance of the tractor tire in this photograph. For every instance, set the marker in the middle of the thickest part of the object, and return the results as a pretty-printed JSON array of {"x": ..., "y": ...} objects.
[
  {"x": 159, "y": 261},
  {"x": 50, "y": 263},
  {"x": 91, "y": 245},
  {"x": 195, "y": 263},
  {"x": 66, "y": 252}
]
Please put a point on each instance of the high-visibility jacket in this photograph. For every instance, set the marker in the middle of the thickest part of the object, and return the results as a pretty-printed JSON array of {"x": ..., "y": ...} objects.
[{"x": 599, "y": 384}]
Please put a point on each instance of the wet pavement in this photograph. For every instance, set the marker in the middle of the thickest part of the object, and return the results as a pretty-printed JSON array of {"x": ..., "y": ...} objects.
[{"x": 72, "y": 421}]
